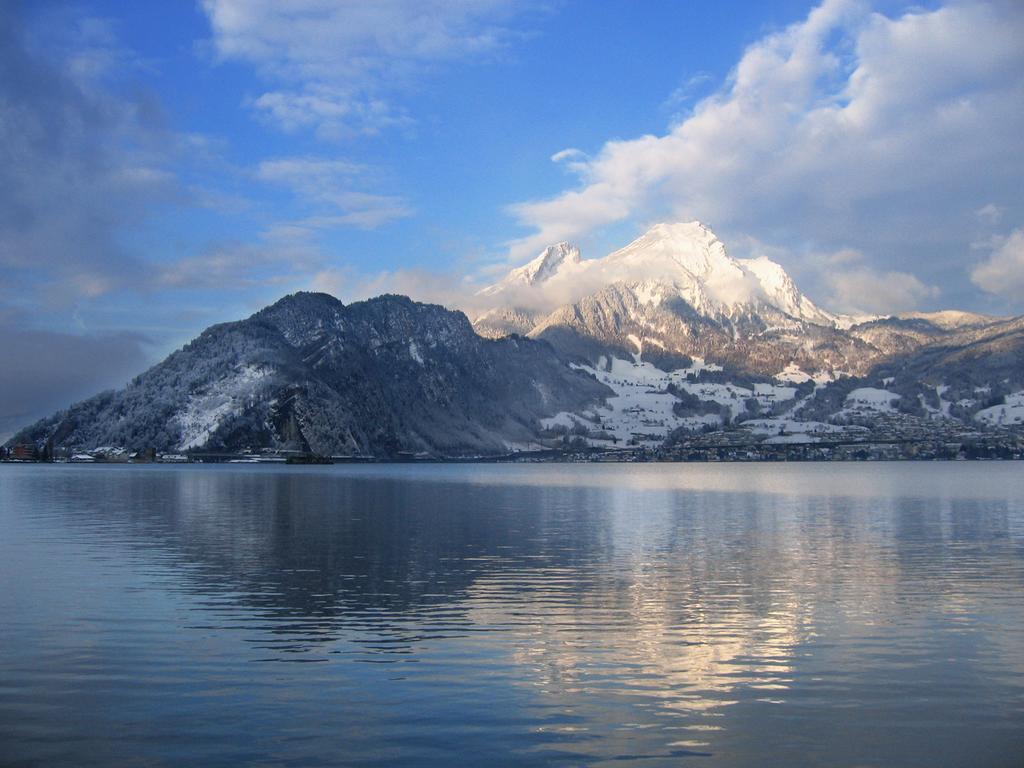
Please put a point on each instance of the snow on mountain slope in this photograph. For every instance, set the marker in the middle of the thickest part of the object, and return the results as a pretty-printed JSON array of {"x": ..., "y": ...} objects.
[
  {"x": 553, "y": 260},
  {"x": 687, "y": 252},
  {"x": 951, "y": 319},
  {"x": 684, "y": 260},
  {"x": 871, "y": 399},
  {"x": 496, "y": 323},
  {"x": 639, "y": 411},
  {"x": 644, "y": 410},
  {"x": 651, "y": 319},
  {"x": 690, "y": 258},
  {"x": 675, "y": 292},
  {"x": 781, "y": 291},
  {"x": 208, "y": 409}
]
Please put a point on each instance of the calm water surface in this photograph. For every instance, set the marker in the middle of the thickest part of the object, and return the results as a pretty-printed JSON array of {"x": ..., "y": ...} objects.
[{"x": 730, "y": 615}]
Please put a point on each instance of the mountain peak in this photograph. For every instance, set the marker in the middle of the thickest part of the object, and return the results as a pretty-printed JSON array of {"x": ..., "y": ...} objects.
[
  {"x": 685, "y": 257},
  {"x": 550, "y": 262},
  {"x": 680, "y": 229},
  {"x": 379, "y": 377},
  {"x": 304, "y": 299},
  {"x": 680, "y": 233},
  {"x": 666, "y": 247}
]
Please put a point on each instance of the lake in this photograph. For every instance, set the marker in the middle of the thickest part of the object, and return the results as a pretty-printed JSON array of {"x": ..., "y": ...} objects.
[{"x": 862, "y": 614}]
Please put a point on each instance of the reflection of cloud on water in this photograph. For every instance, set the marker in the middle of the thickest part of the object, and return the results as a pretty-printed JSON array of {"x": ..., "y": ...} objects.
[
  {"x": 704, "y": 601},
  {"x": 878, "y": 480},
  {"x": 700, "y": 600},
  {"x": 655, "y": 642}
]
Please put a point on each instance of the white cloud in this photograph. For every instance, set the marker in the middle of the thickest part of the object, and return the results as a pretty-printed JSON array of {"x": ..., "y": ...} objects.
[
  {"x": 990, "y": 213},
  {"x": 242, "y": 265},
  {"x": 686, "y": 91},
  {"x": 347, "y": 284},
  {"x": 865, "y": 291},
  {"x": 1002, "y": 273},
  {"x": 843, "y": 256},
  {"x": 326, "y": 186},
  {"x": 335, "y": 63},
  {"x": 335, "y": 112},
  {"x": 568, "y": 155},
  {"x": 314, "y": 175},
  {"x": 848, "y": 129}
]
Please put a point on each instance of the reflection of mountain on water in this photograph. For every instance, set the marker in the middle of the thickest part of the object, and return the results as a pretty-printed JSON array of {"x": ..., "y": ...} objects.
[{"x": 313, "y": 555}]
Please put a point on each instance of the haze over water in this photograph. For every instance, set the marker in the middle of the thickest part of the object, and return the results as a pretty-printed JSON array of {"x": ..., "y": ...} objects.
[{"x": 718, "y": 615}]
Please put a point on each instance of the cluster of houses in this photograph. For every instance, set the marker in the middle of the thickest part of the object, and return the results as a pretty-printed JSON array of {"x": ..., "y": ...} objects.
[
  {"x": 868, "y": 450},
  {"x": 47, "y": 452}
]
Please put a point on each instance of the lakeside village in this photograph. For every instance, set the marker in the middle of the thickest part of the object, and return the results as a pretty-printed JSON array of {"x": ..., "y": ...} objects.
[{"x": 893, "y": 439}]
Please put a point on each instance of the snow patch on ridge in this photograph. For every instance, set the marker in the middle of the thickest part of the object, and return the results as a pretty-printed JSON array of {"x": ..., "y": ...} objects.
[
  {"x": 207, "y": 410},
  {"x": 414, "y": 352}
]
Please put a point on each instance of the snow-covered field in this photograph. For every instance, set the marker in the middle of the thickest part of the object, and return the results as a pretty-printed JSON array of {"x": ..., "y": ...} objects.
[
  {"x": 786, "y": 427},
  {"x": 1011, "y": 412},
  {"x": 641, "y": 408},
  {"x": 794, "y": 374},
  {"x": 871, "y": 399}
]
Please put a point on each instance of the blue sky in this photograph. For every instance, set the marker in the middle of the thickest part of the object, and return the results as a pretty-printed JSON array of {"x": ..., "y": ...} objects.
[{"x": 166, "y": 166}]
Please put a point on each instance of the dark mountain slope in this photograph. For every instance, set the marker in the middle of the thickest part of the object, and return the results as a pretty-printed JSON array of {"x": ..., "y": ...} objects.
[{"x": 376, "y": 377}]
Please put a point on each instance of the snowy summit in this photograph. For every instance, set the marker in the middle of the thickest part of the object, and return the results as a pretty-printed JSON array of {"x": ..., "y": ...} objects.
[{"x": 684, "y": 260}]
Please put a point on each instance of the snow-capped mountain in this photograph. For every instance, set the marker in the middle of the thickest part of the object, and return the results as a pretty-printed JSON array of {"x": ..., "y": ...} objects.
[
  {"x": 684, "y": 260},
  {"x": 690, "y": 337},
  {"x": 673, "y": 292},
  {"x": 690, "y": 259},
  {"x": 781, "y": 292}
]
